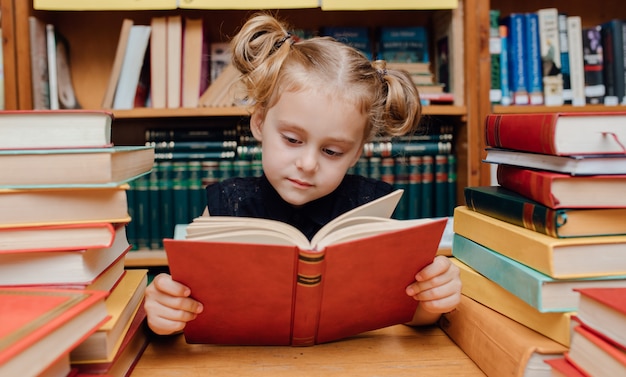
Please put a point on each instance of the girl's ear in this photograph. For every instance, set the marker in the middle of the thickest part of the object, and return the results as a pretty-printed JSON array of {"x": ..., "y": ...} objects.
[{"x": 256, "y": 123}]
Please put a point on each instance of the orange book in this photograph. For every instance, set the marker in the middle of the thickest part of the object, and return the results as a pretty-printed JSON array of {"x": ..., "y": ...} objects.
[
  {"x": 263, "y": 283},
  {"x": 39, "y": 326},
  {"x": 122, "y": 42},
  {"x": 195, "y": 44}
]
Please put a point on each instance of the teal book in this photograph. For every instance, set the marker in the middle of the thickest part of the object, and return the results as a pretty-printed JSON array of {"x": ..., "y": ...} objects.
[
  {"x": 404, "y": 148},
  {"x": 141, "y": 212},
  {"x": 415, "y": 186},
  {"x": 197, "y": 197},
  {"x": 180, "y": 192},
  {"x": 77, "y": 167},
  {"x": 536, "y": 289},
  {"x": 452, "y": 180},
  {"x": 428, "y": 186},
  {"x": 154, "y": 210},
  {"x": 401, "y": 182},
  {"x": 165, "y": 184},
  {"x": 507, "y": 205},
  {"x": 441, "y": 186}
]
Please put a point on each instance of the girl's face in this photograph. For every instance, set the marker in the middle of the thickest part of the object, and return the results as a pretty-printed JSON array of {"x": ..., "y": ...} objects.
[{"x": 310, "y": 140}]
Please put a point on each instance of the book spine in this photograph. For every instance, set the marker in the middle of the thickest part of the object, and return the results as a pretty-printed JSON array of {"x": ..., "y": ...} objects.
[
  {"x": 428, "y": 186},
  {"x": 395, "y": 149},
  {"x": 181, "y": 193},
  {"x": 613, "y": 61},
  {"x": 415, "y": 186},
  {"x": 452, "y": 180},
  {"x": 374, "y": 168},
  {"x": 193, "y": 146},
  {"x": 154, "y": 209},
  {"x": 441, "y": 186},
  {"x": 39, "y": 64},
  {"x": 53, "y": 87},
  {"x": 308, "y": 297},
  {"x": 142, "y": 212},
  {"x": 495, "y": 48},
  {"x": 524, "y": 132},
  {"x": 576, "y": 61},
  {"x": 500, "y": 270},
  {"x": 401, "y": 172},
  {"x": 526, "y": 183},
  {"x": 176, "y": 135},
  {"x": 507, "y": 96},
  {"x": 177, "y": 156},
  {"x": 518, "y": 212},
  {"x": 595, "y": 88},
  {"x": 551, "y": 56},
  {"x": 517, "y": 58},
  {"x": 565, "y": 68},
  {"x": 197, "y": 198},
  {"x": 131, "y": 227},
  {"x": 533, "y": 61},
  {"x": 165, "y": 175}
]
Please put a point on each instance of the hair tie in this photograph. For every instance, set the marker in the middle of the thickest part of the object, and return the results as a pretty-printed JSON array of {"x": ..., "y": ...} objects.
[
  {"x": 381, "y": 74},
  {"x": 279, "y": 44}
]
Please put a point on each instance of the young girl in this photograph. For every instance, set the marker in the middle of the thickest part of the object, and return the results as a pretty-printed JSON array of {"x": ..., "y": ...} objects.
[{"x": 314, "y": 103}]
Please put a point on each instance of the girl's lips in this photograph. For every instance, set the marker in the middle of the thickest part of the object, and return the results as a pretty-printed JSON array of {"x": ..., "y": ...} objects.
[{"x": 300, "y": 183}]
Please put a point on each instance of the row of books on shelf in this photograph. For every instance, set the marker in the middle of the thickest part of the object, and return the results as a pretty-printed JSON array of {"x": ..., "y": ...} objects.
[
  {"x": 552, "y": 58},
  {"x": 538, "y": 247},
  {"x": 68, "y": 304}
]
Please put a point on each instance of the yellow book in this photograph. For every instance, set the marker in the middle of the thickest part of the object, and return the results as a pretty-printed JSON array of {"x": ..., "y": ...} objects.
[
  {"x": 559, "y": 258},
  {"x": 249, "y": 4},
  {"x": 104, "y": 5},
  {"x": 555, "y": 326},
  {"x": 122, "y": 305},
  {"x": 393, "y": 4}
]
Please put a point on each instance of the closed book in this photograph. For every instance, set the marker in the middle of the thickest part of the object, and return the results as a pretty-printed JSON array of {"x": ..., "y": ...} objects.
[
  {"x": 39, "y": 63},
  {"x": 533, "y": 63},
  {"x": 516, "y": 58},
  {"x": 122, "y": 305},
  {"x": 34, "y": 206},
  {"x": 73, "y": 236},
  {"x": 536, "y": 289},
  {"x": 576, "y": 62},
  {"x": 307, "y": 292},
  {"x": 558, "y": 190},
  {"x": 565, "y": 68},
  {"x": 555, "y": 326},
  {"x": 174, "y": 60},
  {"x": 603, "y": 310},
  {"x": 551, "y": 56},
  {"x": 558, "y": 133},
  {"x": 195, "y": 44},
  {"x": 158, "y": 62},
  {"x": 595, "y": 88},
  {"x": 559, "y": 258},
  {"x": 594, "y": 356},
  {"x": 97, "y": 167},
  {"x": 498, "y": 345},
  {"x": 588, "y": 164},
  {"x": 414, "y": 148},
  {"x": 39, "y": 326},
  {"x": 116, "y": 69},
  {"x": 612, "y": 34},
  {"x": 509, "y": 206},
  {"x": 64, "y": 268},
  {"x": 132, "y": 63},
  {"x": 29, "y": 129}
]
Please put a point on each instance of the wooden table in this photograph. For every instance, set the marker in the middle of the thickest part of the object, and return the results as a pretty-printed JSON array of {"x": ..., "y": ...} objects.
[{"x": 393, "y": 351}]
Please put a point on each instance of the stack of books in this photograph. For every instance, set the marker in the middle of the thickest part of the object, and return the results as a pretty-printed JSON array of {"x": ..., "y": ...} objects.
[
  {"x": 527, "y": 245},
  {"x": 64, "y": 291}
]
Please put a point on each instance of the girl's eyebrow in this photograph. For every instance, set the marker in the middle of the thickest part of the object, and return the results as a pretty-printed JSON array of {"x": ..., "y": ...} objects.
[{"x": 295, "y": 127}]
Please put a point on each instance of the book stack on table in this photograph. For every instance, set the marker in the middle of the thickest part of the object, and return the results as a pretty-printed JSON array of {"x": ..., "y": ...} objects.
[
  {"x": 67, "y": 304},
  {"x": 528, "y": 246}
]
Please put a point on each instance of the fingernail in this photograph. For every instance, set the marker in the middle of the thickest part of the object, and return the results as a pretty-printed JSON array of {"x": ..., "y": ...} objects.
[{"x": 199, "y": 309}]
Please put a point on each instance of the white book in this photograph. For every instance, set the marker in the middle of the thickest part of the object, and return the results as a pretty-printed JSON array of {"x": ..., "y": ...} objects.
[
  {"x": 576, "y": 62},
  {"x": 550, "y": 56},
  {"x": 52, "y": 67},
  {"x": 131, "y": 67}
]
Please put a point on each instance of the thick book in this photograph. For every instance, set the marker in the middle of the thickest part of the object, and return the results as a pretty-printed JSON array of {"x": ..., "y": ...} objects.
[
  {"x": 558, "y": 133},
  {"x": 573, "y": 165},
  {"x": 80, "y": 167},
  {"x": 39, "y": 326},
  {"x": 29, "y": 129},
  {"x": 603, "y": 310},
  {"x": 116, "y": 69},
  {"x": 555, "y": 326},
  {"x": 509, "y": 206},
  {"x": 559, "y": 258},
  {"x": 71, "y": 267},
  {"x": 594, "y": 356},
  {"x": 558, "y": 190},
  {"x": 44, "y": 206},
  {"x": 306, "y": 292},
  {"x": 122, "y": 305},
  {"x": 498, "y": 345},
  {"x": 539, "y": 290},
  {"x": 73, "y": 236}
]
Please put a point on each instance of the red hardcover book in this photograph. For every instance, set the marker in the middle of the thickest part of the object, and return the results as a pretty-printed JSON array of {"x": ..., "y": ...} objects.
[
  {"x": 603, "y": 311},
  {"x": 594, "y": 356},
  {"x": 263, "y": 289},
  {"x": 558, "y": 133},
  {"x": 557, "y": 190},
  {"x": 38, "y": 326},
  {"x": 563, "y": 368}
]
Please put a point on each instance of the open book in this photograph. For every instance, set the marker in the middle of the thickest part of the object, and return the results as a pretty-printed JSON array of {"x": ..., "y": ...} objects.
[{"x": 263, "y": 283}]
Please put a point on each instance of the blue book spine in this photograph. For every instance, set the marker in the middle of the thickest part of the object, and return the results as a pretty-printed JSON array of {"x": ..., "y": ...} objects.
[
  {"x": 505, "y": 85},
  {"x": 404, "y": 44},
  {"x": 533, "y": 64},
  {"x": 517, "y": 57}
]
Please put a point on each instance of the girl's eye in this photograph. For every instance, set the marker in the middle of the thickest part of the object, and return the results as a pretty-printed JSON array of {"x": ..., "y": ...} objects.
[
  {"x": 332, "y": 153},
  {"x": 291, "y": 140}
]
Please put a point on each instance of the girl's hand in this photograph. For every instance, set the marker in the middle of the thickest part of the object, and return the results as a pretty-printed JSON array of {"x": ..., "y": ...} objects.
[{"x": 168, "y": 305}]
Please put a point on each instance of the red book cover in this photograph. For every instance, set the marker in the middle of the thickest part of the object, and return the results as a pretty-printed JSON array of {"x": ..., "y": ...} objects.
[
  {"x": 558, "y": 133},
  {"x": 603, "y": 311},
  {"x": 269, "y": 294},
  {"x": 564, "y": 367},
  {"x": 594, "y": 355},
  {"x": 44, "y": 324},
  {"x": 557, "y": 190}
]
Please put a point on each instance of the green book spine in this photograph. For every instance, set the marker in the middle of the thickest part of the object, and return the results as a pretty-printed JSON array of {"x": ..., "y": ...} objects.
[
  {"x": 242, "y": 168},
  {"x": 375, "y": 168},
  {"x": 131, "y": 227},
  {"x": 441, "y": 186},
  {"x": 452, "y": 180},
  {"x": 225, "y": 168},
  {"x": 387, "y": 170},
  {"x": 142, "y": 211},
  {"x": 166, "y": 195},
  {"x": 415, "y": 186},
  {"x": 154, "y": 214},
  {"x": 193, "y": 146},
  {"x": 362, "y": 167},
  {"x": 495, "y": 48},
  {"x": 401, "y": 172},
  {"x": 197, "y": 198},
  {"x": 181, "y": 192},
  {"x": 416, "y": 148},
  {"x": 428, "y": 186}
]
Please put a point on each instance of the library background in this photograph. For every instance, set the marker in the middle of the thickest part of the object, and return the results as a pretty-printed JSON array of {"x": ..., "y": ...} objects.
[{"x": 162, "y": 69}]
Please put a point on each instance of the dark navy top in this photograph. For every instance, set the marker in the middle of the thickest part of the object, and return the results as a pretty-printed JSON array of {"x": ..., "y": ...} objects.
[{"x": 255, "y": 197}]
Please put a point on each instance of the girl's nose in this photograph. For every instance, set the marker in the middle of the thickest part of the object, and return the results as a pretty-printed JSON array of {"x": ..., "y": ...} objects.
[{"x": 307, "y": 161}]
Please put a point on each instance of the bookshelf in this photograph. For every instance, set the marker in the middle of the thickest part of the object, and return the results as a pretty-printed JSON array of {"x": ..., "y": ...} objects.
[{"x": 93, "y": 35}]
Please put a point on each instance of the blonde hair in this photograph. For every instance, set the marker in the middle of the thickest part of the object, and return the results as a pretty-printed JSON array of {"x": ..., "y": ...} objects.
[{"x": 271, "y": 63}]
